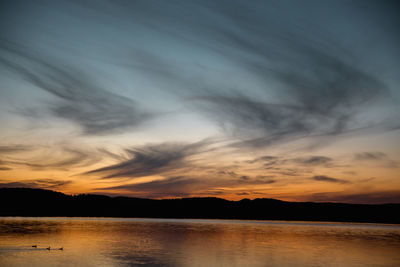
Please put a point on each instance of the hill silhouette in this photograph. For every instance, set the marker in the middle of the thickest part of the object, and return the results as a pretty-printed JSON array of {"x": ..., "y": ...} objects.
[{"x": 39, "y": 202}]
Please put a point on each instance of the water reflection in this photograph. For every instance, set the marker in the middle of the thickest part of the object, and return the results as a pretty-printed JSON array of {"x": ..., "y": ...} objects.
[{"x": 131, "y": 242}]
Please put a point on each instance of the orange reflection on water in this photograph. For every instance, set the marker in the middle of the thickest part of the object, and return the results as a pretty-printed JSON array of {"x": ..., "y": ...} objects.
[{"x": 127, "y": 242}]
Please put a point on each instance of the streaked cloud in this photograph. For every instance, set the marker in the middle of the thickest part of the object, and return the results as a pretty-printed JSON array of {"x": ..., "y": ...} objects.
[
  {"x": 313, "y": 160},
  {"x": 56, "y": 157},
  {"x": 378, "y": 197},
  {"x": 152, "y": 159},
  {"x": 81, "y": 99},
  {"x": 171, "y": 187},
  {"x": 323, "y": 178},
  {"x": 39, "y": 183},
  {"x": 117, "y": 95},
  {"x": 377, "y": 157},
  {"x": 184, "y": 186},
  {"x": 370, "y": 156},
  {"x": 13, "y": 148}
]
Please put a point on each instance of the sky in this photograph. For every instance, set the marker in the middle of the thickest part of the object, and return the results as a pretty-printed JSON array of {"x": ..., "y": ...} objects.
[{"x": 293, "y": 100}]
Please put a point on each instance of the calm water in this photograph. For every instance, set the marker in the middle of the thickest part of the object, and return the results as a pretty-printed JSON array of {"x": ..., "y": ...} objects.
[{"x": 169, "y": 242}]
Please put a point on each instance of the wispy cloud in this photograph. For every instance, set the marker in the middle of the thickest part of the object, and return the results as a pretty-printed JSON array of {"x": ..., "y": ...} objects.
[
  {"x": 320, "y": 95},
  {"x": 378, "y": 157},
  {"x": 256, "y": 74},
  {"x": 40, "y": 183},
  {"x": 377, "y": 197},
  {"x": 152, "y": 159},
  {"x": 182, "y": 186},
  {"x": 310, "y": 84},
  {"x": 13, "y": 148},
  {"x": 313, "y": 160},
  {"x": 370, "y": 156},
  {"x": 81, "y": 99},
  {"x": 57, "y": 157},
  {"x": 178, "y": 186},
  {"x": 323, "y": 178}
]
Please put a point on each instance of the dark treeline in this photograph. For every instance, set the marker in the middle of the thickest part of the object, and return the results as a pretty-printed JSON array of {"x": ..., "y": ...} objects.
[{"x": 38, "y": 202}]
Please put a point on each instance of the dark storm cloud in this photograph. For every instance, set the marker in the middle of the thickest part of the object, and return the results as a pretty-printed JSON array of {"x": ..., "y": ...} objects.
[
  {"x": 324, "y": 178},
  {"x": 40, "y": 183},
  {"x": 152, "y": 159},
  {"x": 82, "y": 99}
]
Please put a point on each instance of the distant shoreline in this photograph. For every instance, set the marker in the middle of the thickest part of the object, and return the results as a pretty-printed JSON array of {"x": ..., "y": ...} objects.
[
  {"x": 196, "y": 220},
  {"x": 27, "y": 202}
]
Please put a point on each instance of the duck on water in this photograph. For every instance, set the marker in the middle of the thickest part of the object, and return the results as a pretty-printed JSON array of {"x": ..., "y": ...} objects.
[{"x": 49, "y": 248}]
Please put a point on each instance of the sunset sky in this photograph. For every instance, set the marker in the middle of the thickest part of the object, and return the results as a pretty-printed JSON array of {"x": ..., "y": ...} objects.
[{"x": 294, "y": 100}]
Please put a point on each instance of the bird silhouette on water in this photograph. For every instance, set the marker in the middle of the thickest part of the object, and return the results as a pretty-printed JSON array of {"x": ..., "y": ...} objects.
[{"x": 49, "y": 248}]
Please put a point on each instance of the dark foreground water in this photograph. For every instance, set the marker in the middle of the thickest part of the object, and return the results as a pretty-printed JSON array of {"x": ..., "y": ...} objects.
[{"x": 169, "y": 242}]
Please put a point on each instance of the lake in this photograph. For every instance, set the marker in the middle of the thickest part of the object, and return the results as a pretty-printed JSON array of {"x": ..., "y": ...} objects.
[{"x": 184, "y": 242}]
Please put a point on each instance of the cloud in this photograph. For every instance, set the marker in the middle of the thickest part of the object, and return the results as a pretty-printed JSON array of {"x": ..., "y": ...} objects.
[
  {"x": 313, "y": 160},
  {"x": 40, "y": 183},
  {"x": 4, "y": 168},
  {"x": 376, "y": 156},
  {"x": 378, "y": 197},
  {"x": 370, "y": 156},
  {"x": 244, "y": 178},
  {"x": 61, "y": 157},
  {"x": 13, "y": 148},
  {"x": 259, "y": 179},
  {"x": 178, "y": 186},
  {"x": 306, "y": 82},
  {"x": 184, "y": 186},
  {"x": 152, "y": 159},
  {"x": 267, "y": 160},
  {"x": 229, "y": 173},
  {"x": 310, "y": 85},
  {"x": 81, "y": 99},
  {"x": 324, "y": 178},
  {"x": 256, "y": 122},
  {"x": 314, "y": 104}
]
